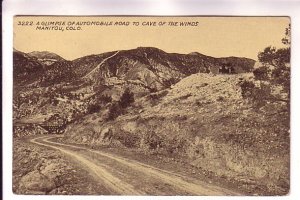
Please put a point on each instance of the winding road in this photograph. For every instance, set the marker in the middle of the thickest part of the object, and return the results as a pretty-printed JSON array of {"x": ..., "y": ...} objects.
[
  {"x": 123, "y": 176},
  {"x": 100, "y": 64}
]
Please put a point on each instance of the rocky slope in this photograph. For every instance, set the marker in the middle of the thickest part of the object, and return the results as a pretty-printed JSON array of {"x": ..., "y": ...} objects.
[
  {"x": 154, "y": 68},
  {"x": 45, "y": 57},
  {"x": 49, "y": 79},
  {"x": 180, "y": 109},
  {"x": 136, "y": 64},
  {"x": 38, "y": 171},
  {"x": 204, "y": 120},
  {"x": 26, "y": 69}
]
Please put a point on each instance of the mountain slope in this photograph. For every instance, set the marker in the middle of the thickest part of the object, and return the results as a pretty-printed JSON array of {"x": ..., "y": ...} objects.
[
  {"x": 158, "y": 66},
  {"x": 184, "y": 107},
  {"x": 144, "y": 70},
  {"x": 202, "y": 120},
  {"x": 26, "y": 69},
  {"x": 46, "y": 57}
]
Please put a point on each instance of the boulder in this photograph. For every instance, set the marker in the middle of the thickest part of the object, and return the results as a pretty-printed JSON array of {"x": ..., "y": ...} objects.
[
  {"x": 52, "y": 170},
  {"x": 36, "y": 183}
]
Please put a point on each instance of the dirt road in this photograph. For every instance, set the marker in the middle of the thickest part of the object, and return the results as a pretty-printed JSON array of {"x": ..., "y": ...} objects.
[
  {"x": 123, "y": 176},
  {"x": 100, "y": 64}
]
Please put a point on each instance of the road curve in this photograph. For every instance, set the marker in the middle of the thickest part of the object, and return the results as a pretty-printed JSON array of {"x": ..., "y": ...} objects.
[{"x": 109, "y": 169}]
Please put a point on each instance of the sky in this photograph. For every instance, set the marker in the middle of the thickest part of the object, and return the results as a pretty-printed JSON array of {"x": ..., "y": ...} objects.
[{"x": 213, "y": 36}]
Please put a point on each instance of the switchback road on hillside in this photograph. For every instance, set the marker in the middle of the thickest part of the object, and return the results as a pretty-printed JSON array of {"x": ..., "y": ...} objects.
[
  {"x": 100, "y": 64},
  {"x": 123, "y": 176}
]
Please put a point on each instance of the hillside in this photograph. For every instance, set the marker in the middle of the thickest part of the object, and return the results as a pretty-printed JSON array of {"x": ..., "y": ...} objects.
[
  {"x": 184, "y": 107},
  {"x": 154, "y": 68},
  {"x": 26, "y": 69},
  {"x": 161, "y": 65},
  {"x": 45, "y": 55},
  {"x": 204, "y": 121},
  {"x": 55, "y": 81}
]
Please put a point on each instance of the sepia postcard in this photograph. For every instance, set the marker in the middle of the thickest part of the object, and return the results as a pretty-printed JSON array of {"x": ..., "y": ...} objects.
[{"x": 151, "y": 105}]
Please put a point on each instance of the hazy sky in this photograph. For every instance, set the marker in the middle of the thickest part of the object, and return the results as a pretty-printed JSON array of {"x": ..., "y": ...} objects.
[{"x": 213, "y": 36}]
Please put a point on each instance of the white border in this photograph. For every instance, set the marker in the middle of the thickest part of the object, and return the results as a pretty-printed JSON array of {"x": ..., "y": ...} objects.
[{"x": 146, "y": 7}]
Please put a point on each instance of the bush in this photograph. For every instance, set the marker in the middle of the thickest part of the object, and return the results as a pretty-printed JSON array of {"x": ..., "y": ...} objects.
[
  {"x": 105, "y": 99},
  {"x": 114, "y": 111},
  {"x": 153, "y": 140},
  {"x": 129, "y": 140},
  {"x": 153, "y": 90},
  {"x": 93, "y": 108},
  {"x": 259, "y": 95},
  {"x": 118, "y": 107},
  {"x": 247, "y": 87},
  {"x": 169, "y": 82},
  {"x": 126, "y": 99},
  {"x": 261, "y": 73},
  {"x": 175, "y": 144}
]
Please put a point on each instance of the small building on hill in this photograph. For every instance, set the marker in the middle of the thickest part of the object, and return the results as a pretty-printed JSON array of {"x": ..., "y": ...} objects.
[{"x": 223, "y": 69}]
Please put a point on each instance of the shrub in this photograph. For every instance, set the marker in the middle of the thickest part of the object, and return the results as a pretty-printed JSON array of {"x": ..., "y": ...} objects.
[
  {"x": 118, "y": 107},
  {"x": 175, "y": 144},
  {"x": 169, "y": 82},
  {"x": 129, "y": 140},
  {"x": 262, "y": 73},
  {"x": 259, "y": 95},
  {"x": 153, "y": 90},
  {"x": 114, "y": 111},
  {"x": 247, "y": 87},
  {"x": 127, "y": 98},
  {"x": 105, "y": 99},
  {"x": 93, "y": 108},
  {"x": 153, "y": 140}
]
